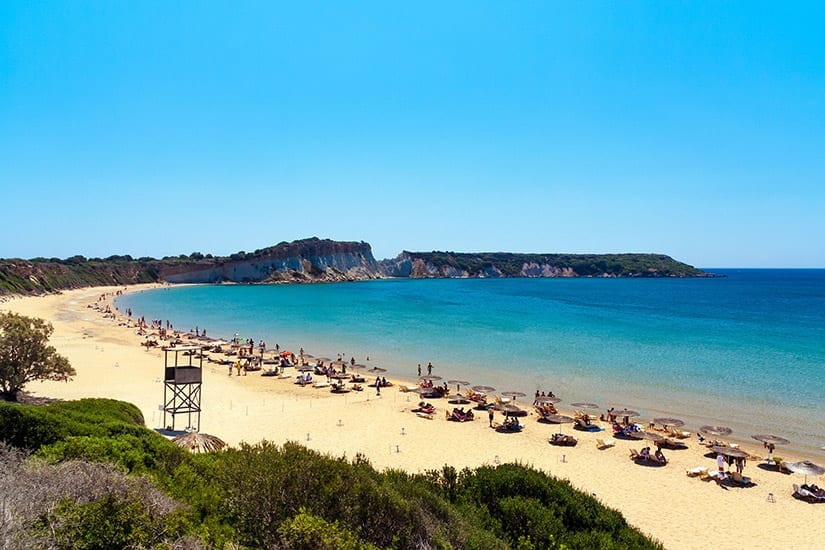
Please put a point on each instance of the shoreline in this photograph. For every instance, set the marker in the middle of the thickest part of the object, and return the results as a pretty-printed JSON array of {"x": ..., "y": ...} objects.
[{"x": 111, "y": 363}]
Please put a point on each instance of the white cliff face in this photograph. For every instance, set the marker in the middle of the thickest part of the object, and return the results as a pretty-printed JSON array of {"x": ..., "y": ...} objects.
[{"x": 322, "y": 262}]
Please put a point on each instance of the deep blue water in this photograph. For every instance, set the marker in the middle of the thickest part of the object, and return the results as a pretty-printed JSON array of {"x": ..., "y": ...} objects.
[{"x": 745, "y": 350}]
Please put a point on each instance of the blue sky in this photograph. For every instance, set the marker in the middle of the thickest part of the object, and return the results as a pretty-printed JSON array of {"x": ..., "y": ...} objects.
[{"x": 160, "y": 128}]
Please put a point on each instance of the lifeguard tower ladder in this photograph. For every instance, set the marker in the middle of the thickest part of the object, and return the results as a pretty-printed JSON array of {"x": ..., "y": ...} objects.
[{"x": 183, "y": 368}]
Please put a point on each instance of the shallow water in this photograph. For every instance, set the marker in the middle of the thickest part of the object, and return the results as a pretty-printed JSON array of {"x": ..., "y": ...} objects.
[{"x": 746, "y": 350}]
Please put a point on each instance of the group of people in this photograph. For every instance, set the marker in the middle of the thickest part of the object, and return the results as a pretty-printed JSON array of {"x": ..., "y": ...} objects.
[
  {"x": 537, "y": 399},
  {"x": 658, "y": 455}
]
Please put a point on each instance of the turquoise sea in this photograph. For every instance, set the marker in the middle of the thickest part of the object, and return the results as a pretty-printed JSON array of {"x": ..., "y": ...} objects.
[{"x": 746, "y": 350}]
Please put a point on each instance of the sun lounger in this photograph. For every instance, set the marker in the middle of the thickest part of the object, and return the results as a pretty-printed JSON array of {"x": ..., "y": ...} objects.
[
  {"x": 805, "y": 494},
  {"x": 605, "y": 443},
  {"x": 698, "y": 471},
  {"x": 634, "y": 454}
]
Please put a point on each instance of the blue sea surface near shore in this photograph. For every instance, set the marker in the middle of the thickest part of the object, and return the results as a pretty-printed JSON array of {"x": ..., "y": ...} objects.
[{"x": 746, "y": 350}]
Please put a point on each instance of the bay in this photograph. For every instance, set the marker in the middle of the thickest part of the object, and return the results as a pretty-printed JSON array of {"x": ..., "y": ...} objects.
[{"x": 745, "y": 350}]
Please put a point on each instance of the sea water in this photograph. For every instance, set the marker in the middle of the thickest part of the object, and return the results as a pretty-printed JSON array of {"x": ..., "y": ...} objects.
[{"x": 745, "y": 350}]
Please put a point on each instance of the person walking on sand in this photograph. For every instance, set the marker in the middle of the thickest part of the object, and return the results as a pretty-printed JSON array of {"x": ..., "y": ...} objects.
[
  {"x": 429, "y": 368},
  {"x": 377, "y": 386},
  {"x": 491, "y": 414},
  {"x": 419, "y": 370}
]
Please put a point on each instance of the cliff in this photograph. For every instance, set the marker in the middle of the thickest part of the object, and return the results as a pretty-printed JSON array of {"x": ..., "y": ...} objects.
[
  {"x": 308, "y": 260},
  {"x": 500, "y": 264},
  {"x": 317, "y": 260}
]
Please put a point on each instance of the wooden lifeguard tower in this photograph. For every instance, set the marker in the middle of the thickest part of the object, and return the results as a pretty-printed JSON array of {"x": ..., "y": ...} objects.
[{"x": 182, "y": 379}]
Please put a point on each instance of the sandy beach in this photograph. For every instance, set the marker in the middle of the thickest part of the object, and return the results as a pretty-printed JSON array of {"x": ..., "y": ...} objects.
[{"x": 680, "y": 511}]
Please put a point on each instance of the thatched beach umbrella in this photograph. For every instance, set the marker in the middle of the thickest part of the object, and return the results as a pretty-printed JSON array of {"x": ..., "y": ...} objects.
[
  {"x": 378, "y": 369},
  {"x": 431, "y": 377},
  {"x": 650, "y": 436},
  {"x": 805, "y": 467},
  {"x": 483, "y": 389},
  {"x": 582, "y": 405},
  {"x": 775, "y": 439},
  {"x": 559, "y": 419},
  {"x": 729, "y": 451},
  {"x": 547, "y": 399},
  {"x": 675, "y": 422},
  {"x": 197, "y": 442},
  {"x": 721, "y": 431}
]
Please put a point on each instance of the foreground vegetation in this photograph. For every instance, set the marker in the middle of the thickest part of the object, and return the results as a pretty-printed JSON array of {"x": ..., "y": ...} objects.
[{"x": 87, "y": 474}]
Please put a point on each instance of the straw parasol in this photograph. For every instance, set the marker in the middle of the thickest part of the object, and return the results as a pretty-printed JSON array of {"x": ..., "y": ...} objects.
[
  {"x": 805, "y": 467},
  {"x": 675, "y": 422},
  {"x": 483, "y": 389},
  {"x": 377, "y": 369},
  {"x": 650, "y": 436},
  {"x": 729, "y": 451},
  {"x": 775, "y": 439},
  {"x": 583, "y": 405},
  {"x": 458, "y": 383},
  {"x": 547, "y": 399},
  {"x": 559, "y": 419},
  {"x": 625, "y": 412},
  {"x": 722, "y": 431},
  {"x": 509, "y": 409},
  {"x": 432, "y": 377},
  {"x": 197, "y": 442}
]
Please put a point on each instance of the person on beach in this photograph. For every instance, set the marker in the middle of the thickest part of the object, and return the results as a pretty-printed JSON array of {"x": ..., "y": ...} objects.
[
  {"x": 429, "y": 368},
  {"x": 720, "y": 463},
  {"x": 491, "y": 414},
  {"x": 377, "y": 385},
  {"x": 419, "y": 369}
]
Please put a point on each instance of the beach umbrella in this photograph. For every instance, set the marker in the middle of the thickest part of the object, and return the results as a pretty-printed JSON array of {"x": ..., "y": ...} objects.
[
  {"x": 432, "y": 377},
  {"x": 722, "y": 431},
  {"x": 322, "y": 359},
  {"x": 805, "y": 467},
  {"x": 459, "y": 382},
  {"x": 650, "y": 436},
  {"x": 484, "y": 389},
  {"x": 340, "y": 376},
  {"x": 729, "y": 451},
  {"x": 459, "y": 401},
  {"x": 547, "y": 399},
  {"x": 626, "y": 412},
  {"x": 559, "y": 419},
  {"x": 509, "y": 409},
  {"x": 582, "y": 405},
  {"x": 378, "y": 369},
  {"x": 675, "y": 422},
  {"x": 775, "y": 439},
  {"x": 197, "y": 442},
  {"x": 357, "y": 366},
  {"x": 306, "y": 368},
  {"x": 339, "y": 363}
]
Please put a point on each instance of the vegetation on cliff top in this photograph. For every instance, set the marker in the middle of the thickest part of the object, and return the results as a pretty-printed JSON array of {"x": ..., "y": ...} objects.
[
  {"x": 98, "y": 479},
  {"x": 581, "y": 265},
  {"x": 42, "y": 275}
]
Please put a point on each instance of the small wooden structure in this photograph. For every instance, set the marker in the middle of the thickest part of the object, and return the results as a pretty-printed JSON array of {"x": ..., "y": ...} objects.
[{"x": 182, "y": 379}]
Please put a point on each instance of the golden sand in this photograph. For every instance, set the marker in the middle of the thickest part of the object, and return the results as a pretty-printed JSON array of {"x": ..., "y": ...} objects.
[{"x": 680, "y": 511}]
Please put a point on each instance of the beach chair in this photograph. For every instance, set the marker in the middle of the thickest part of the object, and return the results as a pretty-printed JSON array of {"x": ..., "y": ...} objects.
[
  {"x": 605, "y": 444},
  {"x": 634, "y": 454},
  {"x": 698, "y": 471}
]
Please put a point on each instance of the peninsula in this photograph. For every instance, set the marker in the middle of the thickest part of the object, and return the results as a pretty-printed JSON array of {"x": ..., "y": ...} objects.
[{"x": 321, "y": 260}]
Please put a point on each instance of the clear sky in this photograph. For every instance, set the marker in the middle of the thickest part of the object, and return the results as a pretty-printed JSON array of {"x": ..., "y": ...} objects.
[{"x": 695, "y": 129}]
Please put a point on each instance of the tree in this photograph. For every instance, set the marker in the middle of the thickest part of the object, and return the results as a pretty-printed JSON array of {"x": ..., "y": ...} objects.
[{"x": 25, "y": 355}]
